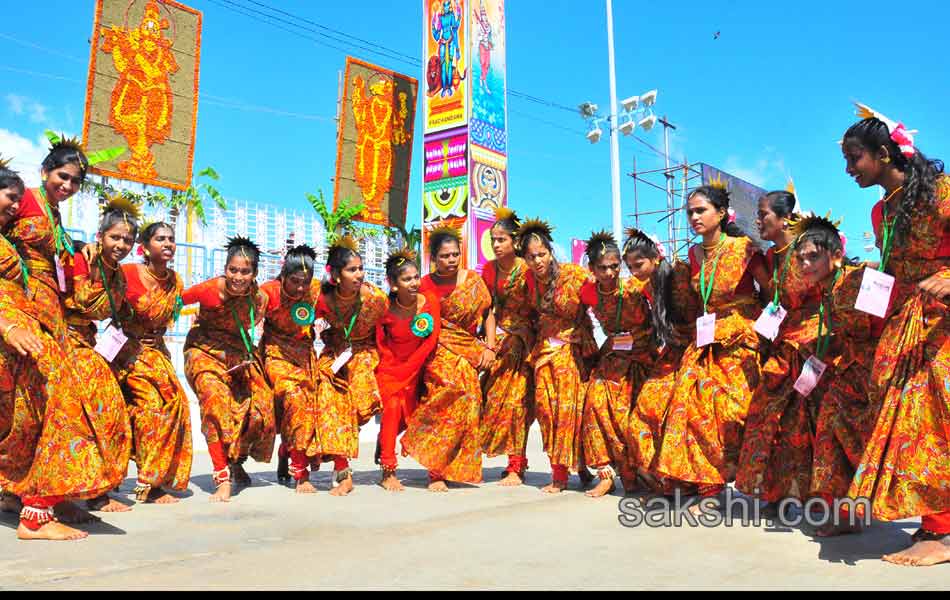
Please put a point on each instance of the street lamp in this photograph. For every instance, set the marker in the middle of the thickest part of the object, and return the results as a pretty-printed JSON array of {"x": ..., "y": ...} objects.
[{"x": 632, "y": 107}]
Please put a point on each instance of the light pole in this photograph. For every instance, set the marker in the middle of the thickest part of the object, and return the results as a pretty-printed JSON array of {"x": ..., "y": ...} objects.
[
  {"x": 631, "y": 108},
  {"x": 669, "y": 184}
]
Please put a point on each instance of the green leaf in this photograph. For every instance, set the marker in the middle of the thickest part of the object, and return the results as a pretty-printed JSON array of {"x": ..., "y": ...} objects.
[
  {"x": 209, "y": 172},
  {"x": 52, "y": 137},
  {"x": 106, "y": 155}
]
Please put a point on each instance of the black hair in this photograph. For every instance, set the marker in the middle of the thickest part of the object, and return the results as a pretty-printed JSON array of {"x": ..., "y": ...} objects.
[
  {"x": 781, "y": 202},
  {"x": 826, "y": 239},
  {"x": 662, "y": 282},
  {"x": 719, "y": 198},
  {"x": 509, "y": 223},
  {"x": 113, "y": 216},
  {"x": 439, "y": 237},
  {"x": 600, "y": 245},
  {"x": 396, "y": 265},
  {"x": 920, "y": 173},
  {"x": 64, "y": 153},
  {"x": 555, "y": 269},
  {"x": 242, "y": 246},
  {"x": 298, "y": 258},
  {"x": 337, "y": 259},
  {"x": 11, "y": 179}
]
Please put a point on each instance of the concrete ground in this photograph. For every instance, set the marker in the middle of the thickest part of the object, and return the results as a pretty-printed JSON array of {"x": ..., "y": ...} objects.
[{"x": 473, "y": 537}]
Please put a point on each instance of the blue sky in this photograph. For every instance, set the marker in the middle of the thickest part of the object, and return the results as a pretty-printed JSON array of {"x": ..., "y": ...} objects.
[{"x": 768, "y": 99}]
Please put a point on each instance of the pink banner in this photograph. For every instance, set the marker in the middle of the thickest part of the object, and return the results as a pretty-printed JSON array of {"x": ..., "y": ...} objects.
[
  {"x": 446, "y": 158},
  {"x": 578, "y": 247}
]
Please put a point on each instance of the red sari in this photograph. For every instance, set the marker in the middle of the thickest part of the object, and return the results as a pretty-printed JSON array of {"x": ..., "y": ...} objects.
[
  {"x": 905, "y": 470},
  {"x": 442, "y": 434},
  {"x": 402, "y": 357},
  {"x": 237, "y": 406},
  {"x": 158, "y": 406}
]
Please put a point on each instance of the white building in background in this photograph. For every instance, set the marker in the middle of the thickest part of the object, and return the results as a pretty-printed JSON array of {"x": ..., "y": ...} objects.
[{"x": 273, "y": 228}]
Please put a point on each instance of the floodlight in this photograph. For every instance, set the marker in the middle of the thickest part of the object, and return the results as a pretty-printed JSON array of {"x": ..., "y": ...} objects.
[
  {"x": 649, "y": 99},
  {"x": 588, "y": 109},
  {"x": 594, "y": 135},
  {"x": 648, "y": 122},
  {"x": 627, "y": 128},
  {"x": 631, "y": 103}
]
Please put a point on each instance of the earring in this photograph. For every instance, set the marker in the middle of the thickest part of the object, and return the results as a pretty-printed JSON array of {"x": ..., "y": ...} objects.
[{"x": 886, "y": 159}]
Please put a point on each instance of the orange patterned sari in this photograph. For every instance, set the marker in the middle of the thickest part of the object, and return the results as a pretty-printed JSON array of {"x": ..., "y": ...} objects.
[
  {"x": 508, "y": 387},
  {"x": 618, "y": 374},
  {"x": 442, "y": 434},
  {"x": 158, "y": 406},
  {"x": 237, "y": 404},
  {"x": 702, "y": 429},
  {"x": 776, "y": 457},
  {"x": 48, "y": 447},
  {"x": 90, "y": 302},
  {"x": 565, "y": 343},
  {"x": 905, "y": 470}
]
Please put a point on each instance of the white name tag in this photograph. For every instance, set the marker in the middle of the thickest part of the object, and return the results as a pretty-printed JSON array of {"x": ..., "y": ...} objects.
[
  {"x": 875, "y": 292},
  {"x": 768, "y": 323},
  {"x": 705, "y": 330},
  {"x": 499, "y": 331},
  {"x": 812, "y": 371},
  {"x": 111, "y": 342},
  {"x": 623, "y": 341},
  {"x": 320, "y": 325},
  {"x": 556, "y": 343},
  {"x": 342, "y": 359},
  {"x": 60, "y": 273}
]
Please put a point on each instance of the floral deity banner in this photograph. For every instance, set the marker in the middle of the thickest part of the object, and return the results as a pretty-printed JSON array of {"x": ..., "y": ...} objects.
[
  {"x": 445, "y": 54},
  {"x": 142, "y": 90},
  {"x": 487, "y": 128},
  {"x": 374, "y": 143}
]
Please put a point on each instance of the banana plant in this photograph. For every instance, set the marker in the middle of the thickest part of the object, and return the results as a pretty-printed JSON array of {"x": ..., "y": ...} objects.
[
  {"x": 411, "y": 239},
  {"x": 193, "y": 199},
  {"x": 338, "y": 221}
]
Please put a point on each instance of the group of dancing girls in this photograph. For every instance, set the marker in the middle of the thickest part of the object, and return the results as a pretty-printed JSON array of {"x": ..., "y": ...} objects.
[{"x": 796, "y": 373}]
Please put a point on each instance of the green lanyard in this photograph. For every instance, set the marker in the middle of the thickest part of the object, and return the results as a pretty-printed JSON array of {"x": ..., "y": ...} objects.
[
  {"x": 824, "y": 323},
  {"x": 706, "y": 288},
  {"x": 24, "y": 272},
  {"x": 348, "y": 330},
  {"x": 498, "y": 299},
  {"x": 105, "y": 286},
  {"x": 246, "y": 335},
  {"x": 600, "y": 305},
  {"x": 179, "y": 305},
  {"x": 888, "y": 235},
  {"x": 59, "y": 234},
  {"x": 778, "y": 283}
]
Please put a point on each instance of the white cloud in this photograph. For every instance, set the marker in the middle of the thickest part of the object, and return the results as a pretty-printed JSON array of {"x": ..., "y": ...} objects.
[
  {"x": 768, "y": 171},
  {"x": 16, "y": 103},
  {"x": 22, "y": 105},
  {"x": 27, "y": 155},
  {"x": 38, "y": 113}
]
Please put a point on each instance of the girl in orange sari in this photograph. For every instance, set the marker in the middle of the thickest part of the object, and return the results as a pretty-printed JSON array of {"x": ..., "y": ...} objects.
[
  {"x": 563, "y": 348},
  {"x": 289, "y": 360},
  {"x": 346, "y": 370},
  {"x": 158, "y": 407},
  {"x": 442, "y": 433},
  {"x": 225, "y": 372},
  {"x": 776, "y": 457},
  {"x": 702, "y": 429},
  {"x": 406, "y": 336},
  {"x": 508, "y": 387},
  {"x": 673, "y": 311},
  {"x": 905, "y": 470},
  {"x": 622, "y": 365},
  {"x": 48, "y": 451},
  {"x": 99, "y": 288}
]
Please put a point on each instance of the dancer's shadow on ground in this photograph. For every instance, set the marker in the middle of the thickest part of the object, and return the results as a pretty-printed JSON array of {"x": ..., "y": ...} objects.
[
  {"x": 12, "y": 521},
  {"x": 874, "y": 542}
]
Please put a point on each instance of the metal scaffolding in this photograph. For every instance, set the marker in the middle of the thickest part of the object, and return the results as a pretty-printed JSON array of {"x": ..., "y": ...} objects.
[{"x": 675, "y": 182}]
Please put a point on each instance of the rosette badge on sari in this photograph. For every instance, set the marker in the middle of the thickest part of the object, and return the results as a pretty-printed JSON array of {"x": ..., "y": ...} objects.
[
  {"x": 423, "y": 325},
  {"x": 303, "y": 313}
]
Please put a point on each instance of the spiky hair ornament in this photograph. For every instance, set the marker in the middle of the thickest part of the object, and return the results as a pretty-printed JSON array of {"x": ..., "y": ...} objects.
[
  {"x": 446, "y": 229},
  {"x": 812, "y": 221},
  {"x": 5, "y": 162},
  {"x": 503, "y": 213},
  {"x": 900, "y": 135},
  {"x": 400, "y": 257},
  {"x": 118, "y": 202},
  {"x": 536, "y": 227},
  {"x": 346, "y": 242},
  {"x": 243, "y": 243}
]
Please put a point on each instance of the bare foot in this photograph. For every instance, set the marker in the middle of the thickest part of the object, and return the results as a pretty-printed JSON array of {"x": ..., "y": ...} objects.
[
  {"x": 345, "y": 487},
  {"x": 555, "y": 487},
  {"x": 10, "y": 503},
  {"x": 67, "y": 512},
  {"x": 160, "y": 496},
  {"x": 222, "y": 494},
  {"x": 106, "y": 504},
  {"x": 391, "y": 483},
  {"x": 511, "y": 479},
  {"x": 924, "y": 553},
  {"x": 831, "y": 530},
  {"x": 438, "y": 487},
  {"x": 50, "y": 531},
  {"x": 604, "y": 487},
  {"x": 305, "y": 487}
]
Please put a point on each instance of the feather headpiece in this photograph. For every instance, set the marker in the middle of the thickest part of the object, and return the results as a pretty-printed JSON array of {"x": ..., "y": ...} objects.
[
  {"x": 122, "y": 204},
  {"x": 718, "y": 183},
  {"x": 536, "y": 227},
  {"x": 900, "y": 135},
  {"x": 346, "y": 242},
  {"x": 5, "y": 162},
  {"x": 812, "y": 221},
  {"x": 400, "y": 257},
  {"x": 444, "y": 228},
  {"x": 503, "y": 213}
]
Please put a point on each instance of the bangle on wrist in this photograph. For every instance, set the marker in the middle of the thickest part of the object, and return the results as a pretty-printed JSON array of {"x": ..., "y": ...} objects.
[{"x": 9, "y": 328}]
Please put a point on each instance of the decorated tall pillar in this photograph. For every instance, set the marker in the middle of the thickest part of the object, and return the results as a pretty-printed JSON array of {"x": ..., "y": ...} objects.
[{"x": 465, "y": 119}]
